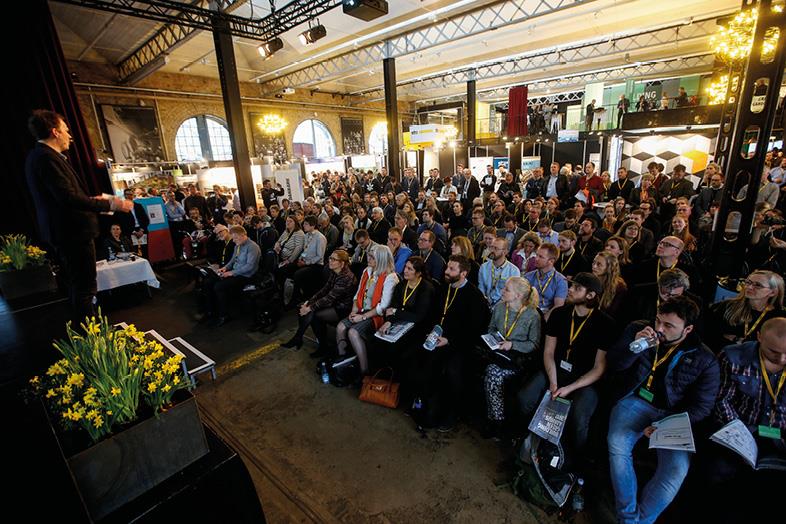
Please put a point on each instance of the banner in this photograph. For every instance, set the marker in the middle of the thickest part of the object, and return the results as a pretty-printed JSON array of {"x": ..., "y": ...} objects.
[
  {"x": 530, "y": 162},
  {"x": 292, "y": 183},
  {"x": 422, "y": 133},
  {"x": 477, "y": 164},
  {"x": 159, "y": 239},
  {"x": 500, "y": 161},
  {"x": 568, "y": 135}
]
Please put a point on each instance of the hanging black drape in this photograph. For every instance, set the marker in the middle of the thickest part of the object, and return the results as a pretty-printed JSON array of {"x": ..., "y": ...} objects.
[
  {"x": 517, "y": 111},
  {"x": 37, "y": 78}
]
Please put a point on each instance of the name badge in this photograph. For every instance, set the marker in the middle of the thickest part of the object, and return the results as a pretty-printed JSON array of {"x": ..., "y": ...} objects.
[
  {"x": 770, "y": 432},
  {"x": 646, "y": 394},
  {"x": 567, "y": 366}
]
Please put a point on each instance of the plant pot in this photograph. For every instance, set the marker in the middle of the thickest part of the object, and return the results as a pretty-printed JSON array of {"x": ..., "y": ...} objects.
[
  {"x": 28, "y": 281},
  {"x": 125, "y": 465}
]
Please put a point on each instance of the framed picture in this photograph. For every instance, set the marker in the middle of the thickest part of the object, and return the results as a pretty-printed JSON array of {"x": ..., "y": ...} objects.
[
  {"x": 352, "y": 136},
  {"x": 132, "y": 133},
  {"x": 266, "y": 144}
]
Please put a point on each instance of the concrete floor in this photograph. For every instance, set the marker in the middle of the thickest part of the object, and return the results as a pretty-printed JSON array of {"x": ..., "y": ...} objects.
[{"x": 316, "y": 453}]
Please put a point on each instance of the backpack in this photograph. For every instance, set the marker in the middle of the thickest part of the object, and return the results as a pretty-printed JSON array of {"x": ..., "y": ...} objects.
[{"x": 539, "y": 479}]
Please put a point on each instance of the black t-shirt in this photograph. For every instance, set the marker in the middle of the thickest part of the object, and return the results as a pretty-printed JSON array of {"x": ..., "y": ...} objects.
[{"x": 596, "y": 334}]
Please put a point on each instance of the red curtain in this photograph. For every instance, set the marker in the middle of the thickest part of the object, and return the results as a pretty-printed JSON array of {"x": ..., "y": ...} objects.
[
  {"x": 517, "y": 111},
  {"x": 41, "y": 80}
]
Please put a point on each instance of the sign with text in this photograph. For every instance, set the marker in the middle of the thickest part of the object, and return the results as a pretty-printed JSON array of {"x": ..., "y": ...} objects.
[{"x": 431, "y": 133}]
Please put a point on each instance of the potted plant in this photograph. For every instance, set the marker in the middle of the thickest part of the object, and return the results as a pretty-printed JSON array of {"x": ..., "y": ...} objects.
[
  {"x": 122, "y": 415},
  {"x": 24, "y": 269}
]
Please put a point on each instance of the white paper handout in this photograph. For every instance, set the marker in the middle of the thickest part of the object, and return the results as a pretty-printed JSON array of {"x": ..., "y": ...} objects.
[
  {"x": 493, "y": 340},
  {"x": 737, "y": 438},
  {"x": 395, "y": 331},
  {"x": 673, "y": 432}
]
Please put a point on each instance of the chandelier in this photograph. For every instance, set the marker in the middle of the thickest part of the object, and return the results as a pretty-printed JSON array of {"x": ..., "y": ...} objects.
[
  {"x": 734, "y": 40},
  {"x": 271, "y": 124},
  {"x": 717, "y": 90}
]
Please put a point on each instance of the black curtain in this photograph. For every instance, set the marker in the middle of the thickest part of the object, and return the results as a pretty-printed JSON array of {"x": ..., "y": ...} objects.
[{"x": 37, "y": 78}]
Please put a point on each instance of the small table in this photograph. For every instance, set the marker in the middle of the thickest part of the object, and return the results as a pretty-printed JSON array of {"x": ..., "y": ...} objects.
[{"x": 111, "y": 275}]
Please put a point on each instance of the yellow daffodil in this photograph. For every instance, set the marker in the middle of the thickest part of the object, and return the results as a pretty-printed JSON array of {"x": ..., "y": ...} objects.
[
  {"x": 98, "y": 421},
  {"x": 76, "y": 379},
  {"x": 35, "y": 380},
  {"x": 152, "y": 387},
  {"x": 176, "y": 380},
  {"x": 115, "y": 391},
  {"x": 51, "y": 393},
  {"x": 166, "y": 388}
]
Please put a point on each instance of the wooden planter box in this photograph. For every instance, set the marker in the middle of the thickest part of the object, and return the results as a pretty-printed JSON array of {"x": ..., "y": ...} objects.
[
  {"x": 124, "y": 466},
  {"x": 29, "y": 281}
]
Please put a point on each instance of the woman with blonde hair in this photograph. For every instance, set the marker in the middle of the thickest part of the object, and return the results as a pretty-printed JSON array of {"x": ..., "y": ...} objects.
[
  {"x": 372, "y": 298},
  {"x": 739, "y": 319},
  {"x": 606, "y": 267},
  {"x": 517, "y": 319}
]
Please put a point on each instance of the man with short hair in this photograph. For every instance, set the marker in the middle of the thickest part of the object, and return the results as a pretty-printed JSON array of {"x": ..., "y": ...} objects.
[
  {"x": 646, "y": 237},
  {"x": 545, "y": 233},
  {"x": 234, "y": 276},
  {"x": 329, "y": 231},
  {"x": 557, "y": 183},
  {"x": 401, "y": 252},
  {"x": 67, "y": 218},
  {"x": 551, "y": 285},
  {"x": 360, "y": 256},
  {"x": 196, "y": 200},
  {"x": 434, "y": 262},
  {"x": 270, "y": 194},
  {"x": 216, "y": 204},
  {"x": 677, "y": 186},
  {"x": 709, "y": 195},
  {"x": 591, "y": 182},
  {"x": 570, "y": 222},
  {"x": 622, "y": 187},
  {"x": 433, "y": 185},
  {"x": 678, "y": 374},
  {"x": 441, "y": 243},
  {"x": 496, "y": 271},
  {"x": 488, "y": 182},
  {"x": 535, "y": 186},
  {"x": 650, "y": 222},
  {"x": 587, "y": 244},
  {"x": 410, "y": 184},
  {"x": 570, "y": 262},
  {"x": 470, "y": 188},
  {"x": 475, "y": 233},
  {"x": 511, "y": 232},
  {"x": 482, "y": 253},
  {"x": 378, "y": 230},
  {"x": 574, "y": 359}
]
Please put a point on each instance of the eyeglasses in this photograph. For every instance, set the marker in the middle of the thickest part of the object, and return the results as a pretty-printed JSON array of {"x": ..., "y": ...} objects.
[
  {"x": 667, "y": 244},
  {"x": 754, "y": 284}
]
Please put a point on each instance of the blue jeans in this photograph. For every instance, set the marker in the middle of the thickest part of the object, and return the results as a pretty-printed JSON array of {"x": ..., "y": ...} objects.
[{"x": 628, "y": 420}]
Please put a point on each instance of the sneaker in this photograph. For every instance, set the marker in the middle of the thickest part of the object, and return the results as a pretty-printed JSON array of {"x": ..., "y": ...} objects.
[{"x": 344, "y": 361}]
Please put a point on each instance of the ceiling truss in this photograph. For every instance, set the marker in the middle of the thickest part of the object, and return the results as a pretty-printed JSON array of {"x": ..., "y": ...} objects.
[{"x": 487, "y": 18}]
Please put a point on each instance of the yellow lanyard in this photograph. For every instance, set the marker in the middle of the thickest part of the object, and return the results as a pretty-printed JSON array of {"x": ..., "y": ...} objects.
[
  {"x": 656, "y": 362},
  {"x": 562, "y": 266},
  {"x": 584, "y": 247},
  {"x": 542, "y": 288},
  {"x": 448, "y": 302},
  {"x": 672, "y": 266},
  {"x": 494, "y": 278},
  {"x": 574, "y": 335},
  {"x": 755, "y": 324},
  {"x": 773, "y": 394},
  {"x": 224, "y": 253},
  {"x": 509, "y": 330},
  {"x": 475, "y": 237},
  {"x": 429, "y": 254},
  {"x": 407, "y": 297}
]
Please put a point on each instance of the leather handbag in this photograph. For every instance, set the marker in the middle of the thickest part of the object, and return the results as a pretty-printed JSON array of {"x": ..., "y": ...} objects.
[{"x": 380, "y": 391}]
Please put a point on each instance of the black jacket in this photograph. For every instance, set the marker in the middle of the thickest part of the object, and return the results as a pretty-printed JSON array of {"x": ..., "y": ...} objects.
[
  {"x": 127, "y": 222},
  {"x": 64, "y": 211}
]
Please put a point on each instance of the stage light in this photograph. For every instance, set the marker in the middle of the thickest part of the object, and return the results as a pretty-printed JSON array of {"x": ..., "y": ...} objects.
[
  {"x": 312, "y": 34},
  {"x": 365, "y": 9},
  {"x": 267, "y": 49}
]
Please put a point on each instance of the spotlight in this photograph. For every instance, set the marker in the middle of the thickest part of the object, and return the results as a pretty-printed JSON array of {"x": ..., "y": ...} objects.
[
  {"x": 267, "y": 49},
  {"x": 312, "y": 34},
  {"x": 365, "y": 9}
]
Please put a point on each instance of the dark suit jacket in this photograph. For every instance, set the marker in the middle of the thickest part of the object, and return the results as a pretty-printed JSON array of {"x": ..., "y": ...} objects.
[
  {"x": 410, "y": 238},
  {"x": 411, "y": 187},
  {"x": 635, "y": 196},
  {"x": 472, "y": 191},
  {"x": 64, "y": 211},
  {"x": 127, "y": 223}
]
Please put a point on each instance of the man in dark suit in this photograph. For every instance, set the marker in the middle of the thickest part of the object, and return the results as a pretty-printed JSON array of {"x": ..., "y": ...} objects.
[
  {"x": 673, "y": 188},
  {"x": 410, "y": 184},
  {"x": 471, "y": 189},
  {"x": 66, "y": 215}
]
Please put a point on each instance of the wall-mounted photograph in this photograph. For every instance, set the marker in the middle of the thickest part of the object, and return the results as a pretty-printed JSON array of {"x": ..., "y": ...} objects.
[
  {"x": 352, "y": 136},
  {"x": 132, "y": 133}
]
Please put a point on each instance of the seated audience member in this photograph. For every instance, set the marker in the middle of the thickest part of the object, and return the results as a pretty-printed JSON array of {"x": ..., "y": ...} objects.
[
  {"x": 401, "y": 252},
  {"x": 462, "y": 314},
  {"x": 409, "y": 236},
  {"x": 489, "y": 234},
  {"x": 523, "y": 256},
  {"x": 751, "y": 378},
  {"x": 517, "y": 319},
  {"x": 277, "y": 218},
  {"x": 511, "y": 232},
  {"x": 435, "y": 264},
  {"x": 462, "y": 246},
  {"x": 441, "y": 236},
  {"x": 362, "y": 221},
  {"x": 551, "y": 285},
  {"x": 115, "y": 243},
  {"x": 737, "y": 320},
  {"x": 194, "y": 235},
  {"x": 570, "y": 222},
  {"x": 630, "y": 230},
  {"x": 606, "y": 268},
  {"x": 475, "y": 233},
  {"x": 360, "y": 256},
  {"x": 574, "y": 358},
  {"x": 587, "y": 244},
  {"x": 645, "y": 275},
  {"x": 495, "y": 271},
  {"x": 457, "y": 223},
  {"x": 680, "y": 229},
  {"x": 570, "y": 260},
  {"x": 236, "y": 274},
  {"x": 679, "y": 374},
  {"x": 329, "y": 231},
  {"x": 546, "y": 233},
  {"x": 289, "y": 247},
  {"x": 263, "y": 233},
  {"x": 309, "y": 275},
  {"x": 413, "y": 298},
  {"x": 372, "y": 298},
  {"x": 220, "y": 248},
  {"x": 328, "y": 305},
  {"x": 618, "y": 246},
  {"x": 346, "y": 239},
  {"x": 378, "y": 230}
]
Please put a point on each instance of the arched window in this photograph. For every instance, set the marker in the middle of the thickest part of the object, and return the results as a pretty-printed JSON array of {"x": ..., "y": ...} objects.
[
  {"x": 202, "y": 137},
  {"x": 378, "y": 140},
  {"x": 312, "y": 139}
]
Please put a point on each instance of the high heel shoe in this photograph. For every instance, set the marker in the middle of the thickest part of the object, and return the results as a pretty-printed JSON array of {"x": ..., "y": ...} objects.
[{"x": 293, "y": 343}]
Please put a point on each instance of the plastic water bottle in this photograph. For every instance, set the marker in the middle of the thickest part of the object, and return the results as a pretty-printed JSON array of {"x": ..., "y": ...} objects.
[
  {"x": 643, "y": 343},
  {"x": 111, "y": 256},
  {"x": 577, "y": 503},
  {"x": 431, "y": 339},
  {"x": 418, "y": 403},
  {"x": 324, "y": 373}
]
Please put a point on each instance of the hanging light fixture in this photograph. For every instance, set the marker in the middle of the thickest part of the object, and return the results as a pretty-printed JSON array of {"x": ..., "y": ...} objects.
[
  {"x": 267, "y": 49},
  {"x": 312, "y": 34},
  {"x": 271, "y": 124}
]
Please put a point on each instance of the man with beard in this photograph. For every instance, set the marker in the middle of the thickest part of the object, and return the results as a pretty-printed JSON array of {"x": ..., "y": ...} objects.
[
  {"x": 496, "y": 271},
  {"x": 677, "y": 374},
  {"x": 552, "y": 286},
  {"x": 570, "y": 262},
  {"x": 462, "y": 314},
  {"x": 488, "y": 182},
  {"x": 574, "y": 358}
]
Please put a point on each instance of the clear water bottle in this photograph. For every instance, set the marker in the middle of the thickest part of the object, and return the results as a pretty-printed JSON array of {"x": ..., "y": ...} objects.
[
  {"x": 111, "y": 256},
  {"x": 577, "y": 503},
  {"x": 323, "y": 372},
  {"x": 643, "y": 343},
  {"x": 417, "y": 403},
  {"x": 431, "y": 339}
]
